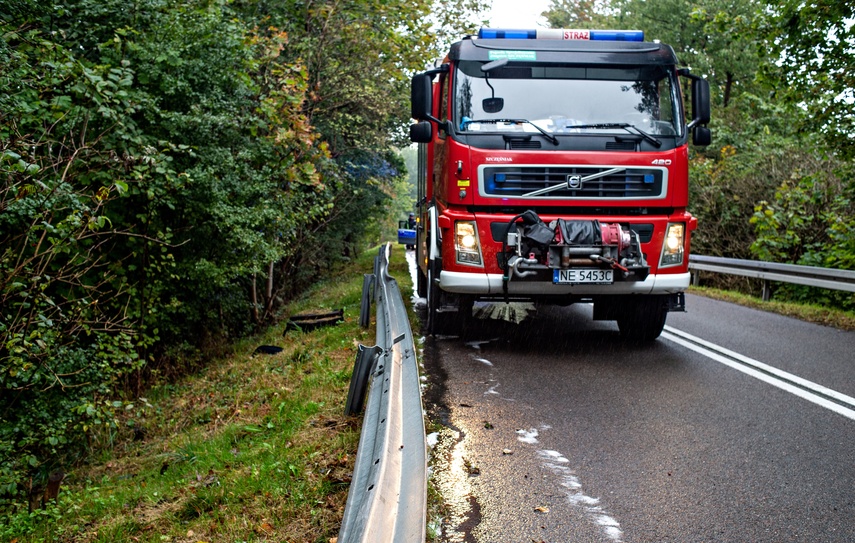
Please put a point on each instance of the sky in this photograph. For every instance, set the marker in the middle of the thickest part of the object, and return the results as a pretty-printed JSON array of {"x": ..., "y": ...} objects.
[{"x": 517, "y": 13}]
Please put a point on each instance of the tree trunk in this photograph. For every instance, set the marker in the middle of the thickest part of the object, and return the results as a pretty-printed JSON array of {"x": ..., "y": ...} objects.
[
  {"x": 268, "y": 306},
  {"x": 728, "y": 86},
  {"x": 254, "y": 300}
]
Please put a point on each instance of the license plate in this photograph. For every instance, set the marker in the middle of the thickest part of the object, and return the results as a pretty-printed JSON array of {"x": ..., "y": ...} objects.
[{"x": 583, "y": 277}]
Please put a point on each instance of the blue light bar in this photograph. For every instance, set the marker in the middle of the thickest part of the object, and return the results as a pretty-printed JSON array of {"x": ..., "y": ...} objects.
[
  {"x": 617, "y": 35},
  {"x": 506, "y": 34},
  {"x": 560, "y": 34}
]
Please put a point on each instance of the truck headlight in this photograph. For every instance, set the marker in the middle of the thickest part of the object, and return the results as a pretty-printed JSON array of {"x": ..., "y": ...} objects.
[
  {"x": 672, "y": 249},
  {"x": 467, "y": 247}
]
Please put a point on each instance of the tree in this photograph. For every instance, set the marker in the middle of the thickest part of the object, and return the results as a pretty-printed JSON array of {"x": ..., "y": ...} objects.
[
  {"x": 712, "y": 37},
  {"x": 358, "y": 57},
  {"x": 67, "y": 334},
  {"x": 816, "y": 44},
  {"x": 579, "y": 14},
  {"x": 144, "y": 164}
]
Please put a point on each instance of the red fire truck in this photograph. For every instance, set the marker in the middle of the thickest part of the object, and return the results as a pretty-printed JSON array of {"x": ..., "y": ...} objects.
[{"x": 553, "y": 167}]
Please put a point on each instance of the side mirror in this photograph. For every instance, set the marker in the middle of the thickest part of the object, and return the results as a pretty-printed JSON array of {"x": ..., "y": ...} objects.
[
  {"x": 421, "y": 97},
  {"x": 701, "y": 135},
  {"x": 421, "y": 132},
  {"x": 700, "y": 102}
]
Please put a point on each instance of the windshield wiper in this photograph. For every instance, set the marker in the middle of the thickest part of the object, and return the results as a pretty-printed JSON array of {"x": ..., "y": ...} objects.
[
  {"x": 626, "y": 126},
  {"x": 546, "y": 134}
]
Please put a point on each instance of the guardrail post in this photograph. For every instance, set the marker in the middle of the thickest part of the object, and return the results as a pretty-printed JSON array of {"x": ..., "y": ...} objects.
[
  {"x": 766, "y": 292},
  {"x": 365, "y": 359},
  {"x": 378, "y": 260},
  {"x": 365, "y": 306}
]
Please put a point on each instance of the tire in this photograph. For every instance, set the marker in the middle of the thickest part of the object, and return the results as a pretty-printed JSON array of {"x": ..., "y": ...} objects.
[
  {"x": 433, "y": 297},
  {"x": 421, "y": 283},
  {"x": 465, "y": 305},
  {"x": 643, "y": 319}
]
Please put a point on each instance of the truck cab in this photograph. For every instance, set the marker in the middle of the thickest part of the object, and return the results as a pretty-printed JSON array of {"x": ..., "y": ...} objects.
[{"x": 553, "y": 167}]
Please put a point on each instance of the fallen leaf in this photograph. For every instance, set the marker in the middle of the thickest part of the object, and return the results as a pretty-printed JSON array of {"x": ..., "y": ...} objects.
[
  {"x": 542, "y": 509},
  {"x": 471, "y": 469}
]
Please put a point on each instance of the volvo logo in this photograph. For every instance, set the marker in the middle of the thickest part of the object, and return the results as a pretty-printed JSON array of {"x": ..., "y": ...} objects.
[{"x": 574, "y": 181}]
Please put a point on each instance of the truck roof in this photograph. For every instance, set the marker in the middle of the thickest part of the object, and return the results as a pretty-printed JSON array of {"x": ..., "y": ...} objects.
[{"x": 564, "y": 51}]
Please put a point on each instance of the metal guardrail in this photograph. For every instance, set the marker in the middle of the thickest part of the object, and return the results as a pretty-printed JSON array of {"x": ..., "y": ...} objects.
[
  {"x": 771, "y": 271},
  {"x": 387, "y": 500}
]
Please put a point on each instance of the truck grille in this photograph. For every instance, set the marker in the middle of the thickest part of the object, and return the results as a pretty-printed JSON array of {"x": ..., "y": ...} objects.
[{"x": 583, "y": 182}]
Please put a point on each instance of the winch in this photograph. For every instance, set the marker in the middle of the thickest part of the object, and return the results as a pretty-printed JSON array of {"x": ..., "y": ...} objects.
[{"x": 566, "y": 244}]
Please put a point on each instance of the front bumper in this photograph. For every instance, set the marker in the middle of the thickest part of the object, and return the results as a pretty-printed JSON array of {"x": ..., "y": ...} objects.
[{"x": 487, "y": 284}]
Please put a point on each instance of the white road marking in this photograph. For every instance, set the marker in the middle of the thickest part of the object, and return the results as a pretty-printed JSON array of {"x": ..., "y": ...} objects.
[{"x": 808, "y": 390}]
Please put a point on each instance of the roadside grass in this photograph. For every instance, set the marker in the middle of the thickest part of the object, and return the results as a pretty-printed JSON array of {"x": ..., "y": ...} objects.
[
  {"x": 817, "y": 314},
  {"x": 251, "y": 448}
]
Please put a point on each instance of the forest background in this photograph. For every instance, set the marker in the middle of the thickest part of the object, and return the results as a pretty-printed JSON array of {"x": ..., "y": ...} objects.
[{"x": 173, "y": 172}]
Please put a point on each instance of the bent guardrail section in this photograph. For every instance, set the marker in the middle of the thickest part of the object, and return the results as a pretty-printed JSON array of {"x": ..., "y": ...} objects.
[
  {"x": 387, "y": 500},
  {"x": 772, "y": 271}
]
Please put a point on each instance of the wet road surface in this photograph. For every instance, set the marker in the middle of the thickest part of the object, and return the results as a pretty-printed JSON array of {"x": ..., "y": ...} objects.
[{"x": 555, "y": 430}]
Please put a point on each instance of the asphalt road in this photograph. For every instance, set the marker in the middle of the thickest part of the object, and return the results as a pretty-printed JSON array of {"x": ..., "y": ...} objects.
[{"x": 554, "y": 430}]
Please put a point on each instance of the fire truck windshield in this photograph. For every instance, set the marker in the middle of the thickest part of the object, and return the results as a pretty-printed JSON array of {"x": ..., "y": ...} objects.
[{"x": 568, "y": 99}]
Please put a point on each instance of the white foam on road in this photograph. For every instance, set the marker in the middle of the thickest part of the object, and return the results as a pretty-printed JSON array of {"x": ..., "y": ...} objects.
[{"x": 556, "y": 462}]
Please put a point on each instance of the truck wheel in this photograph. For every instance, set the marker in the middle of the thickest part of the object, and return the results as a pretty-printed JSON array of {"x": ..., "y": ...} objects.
[
  {"x": 421, "y": 283},
  {"x": 643, "y": 319},
  {"x": 465, "y": 304},
  {"x": 433, "y": 295}
]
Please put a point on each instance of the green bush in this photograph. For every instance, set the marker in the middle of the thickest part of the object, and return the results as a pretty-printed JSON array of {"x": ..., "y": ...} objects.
[{"x": 810, "y": 221}]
